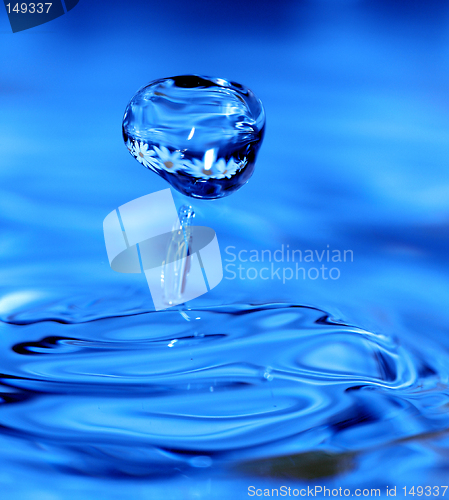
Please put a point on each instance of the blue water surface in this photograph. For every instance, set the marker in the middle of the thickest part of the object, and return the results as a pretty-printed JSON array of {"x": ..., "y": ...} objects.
[{"x": 298, "y": 382}]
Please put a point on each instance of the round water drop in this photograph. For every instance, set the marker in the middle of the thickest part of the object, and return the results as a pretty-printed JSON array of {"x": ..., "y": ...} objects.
[{"x": 200, "y": 134}]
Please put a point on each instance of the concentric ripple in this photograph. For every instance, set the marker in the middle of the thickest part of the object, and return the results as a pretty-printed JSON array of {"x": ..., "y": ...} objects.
[{"x": 230, "y": 383}]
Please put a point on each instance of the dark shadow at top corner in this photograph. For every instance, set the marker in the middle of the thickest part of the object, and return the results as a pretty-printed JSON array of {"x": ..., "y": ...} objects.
[{"x": 69, "y": 4}]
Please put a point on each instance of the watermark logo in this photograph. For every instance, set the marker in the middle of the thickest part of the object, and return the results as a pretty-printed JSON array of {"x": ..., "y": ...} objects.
[
  {"x": 145, "y": 236},
  {"x": 26, "y": 15},
  {"x": 285, "y": 264}
]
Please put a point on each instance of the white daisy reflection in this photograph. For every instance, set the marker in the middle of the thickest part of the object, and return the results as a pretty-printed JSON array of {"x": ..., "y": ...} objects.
[
  {"x": 169, "y": 161},
  {"x": 161, "y": 158},
  {"x": 144, "y": 155},
  {"x": 219, "y": 170},
  {"x": 196, "y": 169},
  {"x": 227, "y": 170}
]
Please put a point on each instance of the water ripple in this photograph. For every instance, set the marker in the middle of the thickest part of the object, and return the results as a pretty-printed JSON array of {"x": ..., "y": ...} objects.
[{"x": 234, "y": 382}]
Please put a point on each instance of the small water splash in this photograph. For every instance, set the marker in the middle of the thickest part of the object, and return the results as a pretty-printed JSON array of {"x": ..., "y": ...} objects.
[{"x": 200, "y": 134}]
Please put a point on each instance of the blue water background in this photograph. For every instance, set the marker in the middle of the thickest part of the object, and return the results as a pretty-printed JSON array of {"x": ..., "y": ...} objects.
[{"x": 355, "y": 157}]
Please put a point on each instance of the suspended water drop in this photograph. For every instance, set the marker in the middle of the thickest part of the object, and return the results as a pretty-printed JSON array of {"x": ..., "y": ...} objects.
[{"x": 200, "y": 134}]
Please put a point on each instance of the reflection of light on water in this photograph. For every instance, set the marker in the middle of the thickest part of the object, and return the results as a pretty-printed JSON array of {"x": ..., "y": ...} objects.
[{"x": 18, "y": 299}]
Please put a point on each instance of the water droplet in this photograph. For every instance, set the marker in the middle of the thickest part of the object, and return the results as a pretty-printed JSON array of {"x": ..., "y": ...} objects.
[
  {"x": 200, "y": 134},
  {"x": 267, "y": 374}
]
